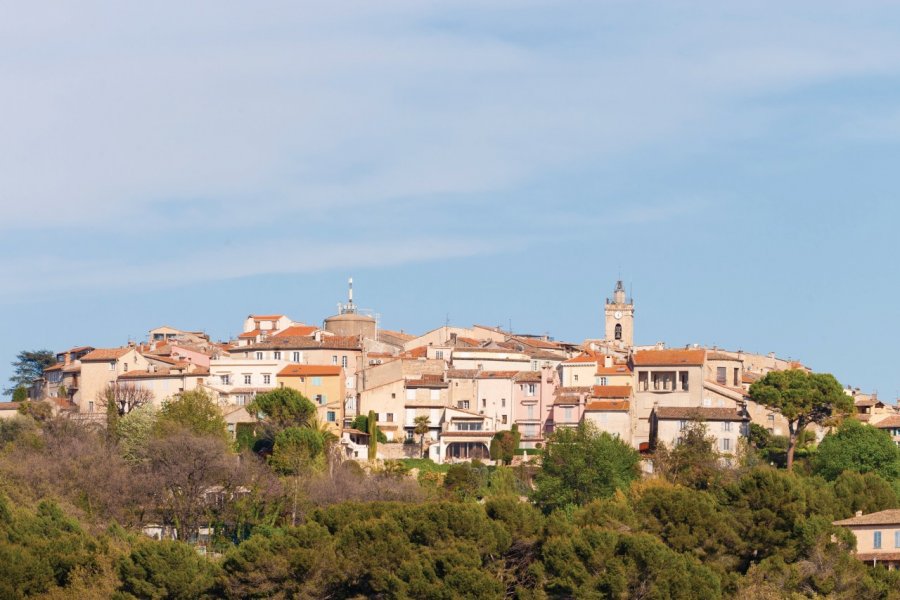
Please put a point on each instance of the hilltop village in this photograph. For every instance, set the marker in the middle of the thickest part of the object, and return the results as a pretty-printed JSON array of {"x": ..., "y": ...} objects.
[{"x": 470, "y": 382}]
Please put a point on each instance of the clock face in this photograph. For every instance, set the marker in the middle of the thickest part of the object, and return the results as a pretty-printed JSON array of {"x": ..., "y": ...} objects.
[{"x": 618, "y": 314}]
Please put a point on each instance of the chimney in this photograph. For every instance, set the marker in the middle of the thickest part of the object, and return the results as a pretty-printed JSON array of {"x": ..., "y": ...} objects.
[
  {"x": 859, "y": 513},
  {"x": 607, "y": 361}
]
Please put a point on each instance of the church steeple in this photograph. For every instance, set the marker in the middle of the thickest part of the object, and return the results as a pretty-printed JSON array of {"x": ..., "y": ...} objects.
[{"x": 620, "y": 318}]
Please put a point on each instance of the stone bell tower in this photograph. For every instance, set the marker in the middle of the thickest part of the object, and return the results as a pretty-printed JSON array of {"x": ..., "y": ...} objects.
[{"x": 620, "y": 318}]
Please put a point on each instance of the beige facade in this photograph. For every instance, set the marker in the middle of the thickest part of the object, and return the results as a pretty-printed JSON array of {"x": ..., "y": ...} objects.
[
  {"x": 580, "y": 370},
  {"x": 323, "y": 385},
  {"x": 726, "y": 425},
  {"x": 665, "y": 378},
  {"x": 100, "y": 368},
  {"x": 165, "y": 382},
  {"x": 494, "y": 392},
  {"x": 877, "y": 537},
  {"x": 611, "y": 416},
  {"x": 490, "y": 359}
]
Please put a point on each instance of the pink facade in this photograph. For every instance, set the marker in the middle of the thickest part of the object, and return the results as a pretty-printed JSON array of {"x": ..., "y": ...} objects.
[
  {"x": 568, "y": 406},
  {"x": 533, "y": 393},
  {"x": 188, "y": 355}
]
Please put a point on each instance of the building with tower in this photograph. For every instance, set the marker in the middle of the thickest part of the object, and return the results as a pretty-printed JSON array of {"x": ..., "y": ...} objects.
[
  {"x": 350, "y": 322},
  {"x": 620, "y": 318}
]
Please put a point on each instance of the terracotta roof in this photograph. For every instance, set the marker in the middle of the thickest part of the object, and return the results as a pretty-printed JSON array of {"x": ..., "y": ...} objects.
[
  {"x": 469, "y": 341},
  {"x": 163, "y": 373},
  {"x": 611, "y": 391},
  {"x": 613, "y": 370},
  {"x": 105, "y": 354},
  {"x": 265, "y": 317},
  {"x": 542, "y": 354},
  {"x": 607, "y": 405},
  {"x": 528, "y": 377},
  {"x": 888, "y": 422},
  {"x": 669, "y": 357},
  {"x": 417, "y": 352},
  {"x": 9, "y": 405},
  {"x": 716, "y": 355},
  {"x": 248, "y": 335},
  {"x": 165, "y": 359},
  {"x": 462, "y": 373},
  {"x": 884, "y": 517},
  {"x": 583, "y": 359},
  {"x": 55, "y": 367},
  {"x": 497, "y": 374},
  {"x": 78, "y": 349},
  {"x": 309, "y": 370},
  {"x": 704, "y": 413},
  {"x": 334, "y": 342},
  {"x": 878, "y": 556},
  {"x": 297, "y": 331},
  {"x": 535, "y": 343},
  {"x": 489, "y": 350},
  {"x": 427, "y": 380},
  {"x": 396, "y": 334},
  {"x": 747, "y": 377}
]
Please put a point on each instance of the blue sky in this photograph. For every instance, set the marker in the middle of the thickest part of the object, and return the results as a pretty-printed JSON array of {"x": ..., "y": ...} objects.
[{"x": 491, "y": 162}]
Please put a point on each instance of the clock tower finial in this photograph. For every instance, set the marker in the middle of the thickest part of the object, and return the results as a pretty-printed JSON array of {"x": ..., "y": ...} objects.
[{"x": 620, "y": 318}]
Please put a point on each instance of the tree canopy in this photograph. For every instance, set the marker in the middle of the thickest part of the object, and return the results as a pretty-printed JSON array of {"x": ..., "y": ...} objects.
[
  {"x": 855, "y": 446},
  {"x": 802, "y": 398},
  {"x": 28, "y": 366},
  {"x": 581, "y": 464},
  {"x": 195, "y": 411},
  {"x": 282, "y": 408}
]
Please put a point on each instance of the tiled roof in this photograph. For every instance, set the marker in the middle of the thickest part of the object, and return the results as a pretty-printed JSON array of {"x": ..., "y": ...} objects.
[
  {"x": 884, "y": 517},
  {"x": 528, "y": 377},
  {"x": 432, "y": 380},
  {"x": 462, "y": 373},
  {"x": 9, "y": 405},
  {"x": 162, "y": 373},
  {"x": 497, "y": 374},
  {"x": 536, "y": 343},
  {"x": 583, "y": 359},
  {"x": 265, "y": 317},
  {"x": 469, "y": 341},
  {"x": 611, "y": 391},
  {"x": 607, "y": 405},
  {"x": 105, "y": 354},
  {"x": 165, "y": 359},
  {"x": 716, "y": 355},
  {"x": 488, "y": 350},
  {"x": 878, "y": 556},
  {"x": 698, "y": 412},
  {"x": 309, "y": 370},
  {"x": 249, "y": 335},
  {"x": 297, "y": 331},
  {"x": 747, "y": 377},
  {"x": 417, "y": 352},
  {"x": 669, "y": 357},
  {"x": 55, "y": 367},
  {"x": 334, "y": 342},
  {"x": 542, "y": 354},
  {"x": 888, "y": 422},
  {"x": 613, "y": 370}
]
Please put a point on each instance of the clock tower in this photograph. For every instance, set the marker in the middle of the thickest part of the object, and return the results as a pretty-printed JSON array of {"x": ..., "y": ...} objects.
[{"x": 620, "y": 318}]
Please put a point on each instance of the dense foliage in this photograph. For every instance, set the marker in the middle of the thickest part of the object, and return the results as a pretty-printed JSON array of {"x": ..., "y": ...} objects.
[{"x": 301, "y": 523}]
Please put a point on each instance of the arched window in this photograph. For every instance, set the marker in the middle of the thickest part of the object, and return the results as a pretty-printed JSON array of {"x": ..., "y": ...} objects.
[{"x": 618, "y": 331}]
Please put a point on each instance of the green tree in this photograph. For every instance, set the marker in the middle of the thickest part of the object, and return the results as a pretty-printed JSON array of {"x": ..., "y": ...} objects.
[
  {"x": 167, "y": 569},
  {"x": 134, "y": 431},
  {"x": 28, "y": 366},
  {"x": 37, "y": 410},
  {"x": 282, "y": 408},
  {"x": 867, "y": 492},
  {"x": 20, "y": 394},
  {"x": 802, "y": 398},
  {"x": 195, "y": 411},
  {"x": 422, "y": 423},
  {"x": 295, "y": 450},
  {"x": 581, "y": 464},
  {"x": 361, "y": 423},
  {"x": 693, "y": 461},
  {"x": 373, "y": 438},
  {"x": 504, "y": 445},
  {"x": 855, "y": 446}
]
